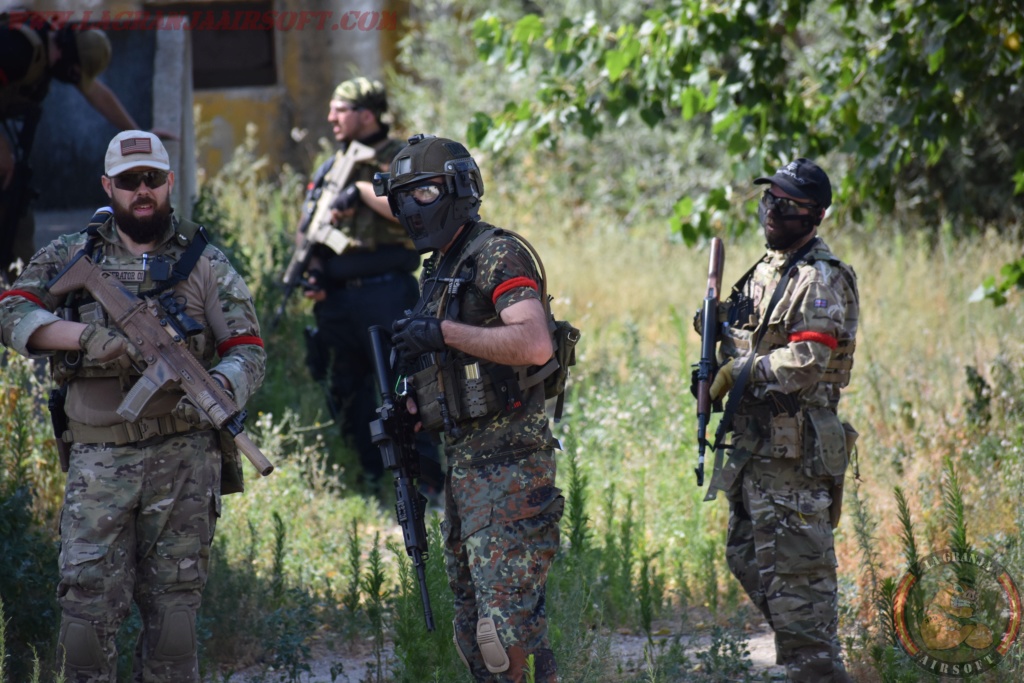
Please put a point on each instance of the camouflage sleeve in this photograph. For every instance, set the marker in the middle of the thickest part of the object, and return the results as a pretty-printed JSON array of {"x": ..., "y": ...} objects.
[
  {"x": 28, "y": 305},
  {"x": 242, "y": 357},
  {"x": 811, "y": 317},
  {"x": 506, "y": 273}
]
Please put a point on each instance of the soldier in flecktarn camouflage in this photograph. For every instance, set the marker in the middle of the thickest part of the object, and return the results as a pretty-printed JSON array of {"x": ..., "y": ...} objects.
[
  {"x": 468, "y": 348},
  {"x": 784, "y": 475},
  {"x": 142, "y": 498}
]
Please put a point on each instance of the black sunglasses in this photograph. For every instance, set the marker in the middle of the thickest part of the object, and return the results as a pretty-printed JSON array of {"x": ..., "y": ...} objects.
[
  {"x": 785, "y": 205},
  {"x": 131, "y": 180}
]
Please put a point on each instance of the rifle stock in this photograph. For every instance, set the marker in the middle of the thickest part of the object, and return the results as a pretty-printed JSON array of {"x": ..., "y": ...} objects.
[
  {"x": 393, "y": 434},
  {"x": 168, "y": 361},
  {"x": 316, "y": 226},
  {"x": 709, "y": 338}
]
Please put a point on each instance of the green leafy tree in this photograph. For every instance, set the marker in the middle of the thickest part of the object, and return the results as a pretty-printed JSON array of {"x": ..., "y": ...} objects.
[{"x": 915, "y": 102}]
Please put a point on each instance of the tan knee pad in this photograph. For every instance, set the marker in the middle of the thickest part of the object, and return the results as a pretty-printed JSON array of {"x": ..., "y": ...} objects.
[
  {"x": 78, "y": 646},
  {"x": 491, "y": 649},
  {"x": 177, "y": 636},
  {"x": 458, "y": 648}
]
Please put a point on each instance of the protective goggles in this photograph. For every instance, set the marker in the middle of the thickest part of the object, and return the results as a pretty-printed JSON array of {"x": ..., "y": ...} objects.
[
  {"x": 784, "y": 205},
  {"x": 130, "y": 180},
  {"x": 424, "y": 195}
]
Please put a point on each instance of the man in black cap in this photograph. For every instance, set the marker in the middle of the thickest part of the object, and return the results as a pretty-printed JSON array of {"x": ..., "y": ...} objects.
[{"x": 787, "y": 347}]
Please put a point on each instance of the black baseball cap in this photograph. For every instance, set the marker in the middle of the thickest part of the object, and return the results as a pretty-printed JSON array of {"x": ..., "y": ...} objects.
[{"x": 804, "y": 179}]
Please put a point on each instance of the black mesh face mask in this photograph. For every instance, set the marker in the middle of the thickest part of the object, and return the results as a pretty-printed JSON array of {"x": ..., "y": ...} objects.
[{"x": 788, "y": 225}]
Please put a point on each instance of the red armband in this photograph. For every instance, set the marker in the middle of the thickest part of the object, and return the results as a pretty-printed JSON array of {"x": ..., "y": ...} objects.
[
  {"x": 22, "y": 293},
  {"x": 241, "y": 340},
  {"x": 820, "y": 337},
  {"x": 508, "y": 285}
]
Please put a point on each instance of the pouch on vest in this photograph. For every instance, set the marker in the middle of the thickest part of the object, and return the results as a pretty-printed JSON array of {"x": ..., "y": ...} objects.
[
  {"x": 565, "y": 337},
  {"x": 786, "y": 435},
  {"x": 469, "y": 392},
  {"x": 826, "y": 452}
]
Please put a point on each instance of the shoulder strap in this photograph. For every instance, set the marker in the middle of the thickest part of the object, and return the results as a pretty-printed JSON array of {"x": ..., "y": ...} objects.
[
  {"x": 736, "y": 393},
  {"x": 198, "y": 239}
]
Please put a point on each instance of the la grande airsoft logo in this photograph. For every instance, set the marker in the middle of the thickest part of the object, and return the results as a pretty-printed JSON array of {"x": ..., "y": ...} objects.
[{"x": 957, "y": 614}]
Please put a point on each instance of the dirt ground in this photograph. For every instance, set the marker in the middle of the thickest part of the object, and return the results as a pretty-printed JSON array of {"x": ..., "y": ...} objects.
[{"x": 358, "y": 663}]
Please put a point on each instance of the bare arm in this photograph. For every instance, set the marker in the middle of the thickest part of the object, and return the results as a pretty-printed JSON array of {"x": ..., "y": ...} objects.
[
  {"x": 523, "y": 339},
  {"x": 107, "y": 103},
  {"x": 378, "y": 204},
  {"x": 62, "y": 335}
]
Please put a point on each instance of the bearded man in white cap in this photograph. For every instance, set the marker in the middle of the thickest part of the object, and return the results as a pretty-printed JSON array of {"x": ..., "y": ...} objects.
[{"x": 142, "y": 497}]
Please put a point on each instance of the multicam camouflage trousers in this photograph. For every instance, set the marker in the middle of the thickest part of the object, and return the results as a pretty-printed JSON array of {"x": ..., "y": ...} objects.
[
  {"x": 780, "y": 547},
  {"x": 137, "y": 524},
  {"x": 501, "y": 533}
]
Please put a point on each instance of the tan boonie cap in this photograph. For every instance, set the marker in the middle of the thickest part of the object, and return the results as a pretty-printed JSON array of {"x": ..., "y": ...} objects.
[
  {"x": 94, "y": 54},
  {"x": 135, "y": 149}
]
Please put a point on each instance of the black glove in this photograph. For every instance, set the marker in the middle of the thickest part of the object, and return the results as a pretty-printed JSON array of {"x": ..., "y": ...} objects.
[
  {"x": 346, "y": 199},
  {"x": 414, "y": 337}
]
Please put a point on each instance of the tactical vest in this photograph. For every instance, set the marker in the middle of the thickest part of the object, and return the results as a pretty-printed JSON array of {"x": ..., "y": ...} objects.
[
  {"x": 781, "y": 425},
  {"x": 461, "y": 387},
  {"x": 740, "y": 320},
  {"x": 150, "y": 278}
]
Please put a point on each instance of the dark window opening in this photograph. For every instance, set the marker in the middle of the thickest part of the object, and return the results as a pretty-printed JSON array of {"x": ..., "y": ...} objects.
[{"x": 232, "y": 42}]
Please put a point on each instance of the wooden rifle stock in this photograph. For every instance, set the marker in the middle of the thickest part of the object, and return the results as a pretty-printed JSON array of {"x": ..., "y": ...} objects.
[
  {"x": 709, "y": 337},
  {"x": 168, "y": 362}
]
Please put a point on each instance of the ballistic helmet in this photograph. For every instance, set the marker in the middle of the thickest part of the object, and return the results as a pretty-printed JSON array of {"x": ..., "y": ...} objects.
[{"x": 434, "y": 188}]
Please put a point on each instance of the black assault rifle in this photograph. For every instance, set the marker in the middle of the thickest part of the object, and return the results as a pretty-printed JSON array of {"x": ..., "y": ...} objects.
[
  {"x": 707, "y": 365},
  {"x": 315, "y": 226},
  {"x": 393, "y": 434}
]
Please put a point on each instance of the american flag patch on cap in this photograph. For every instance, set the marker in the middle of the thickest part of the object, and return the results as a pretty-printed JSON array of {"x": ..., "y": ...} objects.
[
  {"x": 136, "y": 146},
  {"x": 821, "y": 303}
]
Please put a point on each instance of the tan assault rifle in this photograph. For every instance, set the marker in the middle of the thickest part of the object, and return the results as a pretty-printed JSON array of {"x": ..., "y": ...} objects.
[
  {"x": 316, "y": 227},
  {"x": 168, "y": 361}
]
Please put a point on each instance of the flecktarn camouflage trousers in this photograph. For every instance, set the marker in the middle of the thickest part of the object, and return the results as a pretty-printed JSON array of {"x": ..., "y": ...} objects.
[{"x": 501, "y": 534}]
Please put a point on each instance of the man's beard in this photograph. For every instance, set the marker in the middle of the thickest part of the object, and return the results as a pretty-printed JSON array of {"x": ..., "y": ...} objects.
[
  {"x": 145, "y": 229},
  {"x": 785, "y": 232}
]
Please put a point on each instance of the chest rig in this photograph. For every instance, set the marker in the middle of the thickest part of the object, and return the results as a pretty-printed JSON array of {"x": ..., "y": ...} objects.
[
  {"x": 153, "y": 278},
  {"x": 452, "y": 387},
  {"x": 742, "y": 314}
]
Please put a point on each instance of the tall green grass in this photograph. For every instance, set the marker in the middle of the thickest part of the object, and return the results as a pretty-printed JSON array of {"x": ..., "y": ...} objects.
[{"x": 305, "y": 563}]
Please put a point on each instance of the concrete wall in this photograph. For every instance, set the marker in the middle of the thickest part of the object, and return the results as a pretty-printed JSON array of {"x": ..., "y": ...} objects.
[{"x": 340, "y": 38}]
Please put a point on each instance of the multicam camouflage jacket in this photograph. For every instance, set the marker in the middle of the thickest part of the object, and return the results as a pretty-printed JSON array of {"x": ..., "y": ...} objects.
[
  {"x": 806, "y": 354},
  {"x": 214, "y": 295},
  {"x": 502, "y": 273}
]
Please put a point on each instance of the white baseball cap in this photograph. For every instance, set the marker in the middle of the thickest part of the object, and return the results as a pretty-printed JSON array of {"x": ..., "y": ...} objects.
[{"x": 135, "y": 149}]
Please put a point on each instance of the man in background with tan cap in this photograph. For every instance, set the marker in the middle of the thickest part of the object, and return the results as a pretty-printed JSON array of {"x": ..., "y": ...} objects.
[
  {"x": 142, "y": 498},
  {"x": 369, "y": 283},
  {"x": 32, "y": 53}
]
